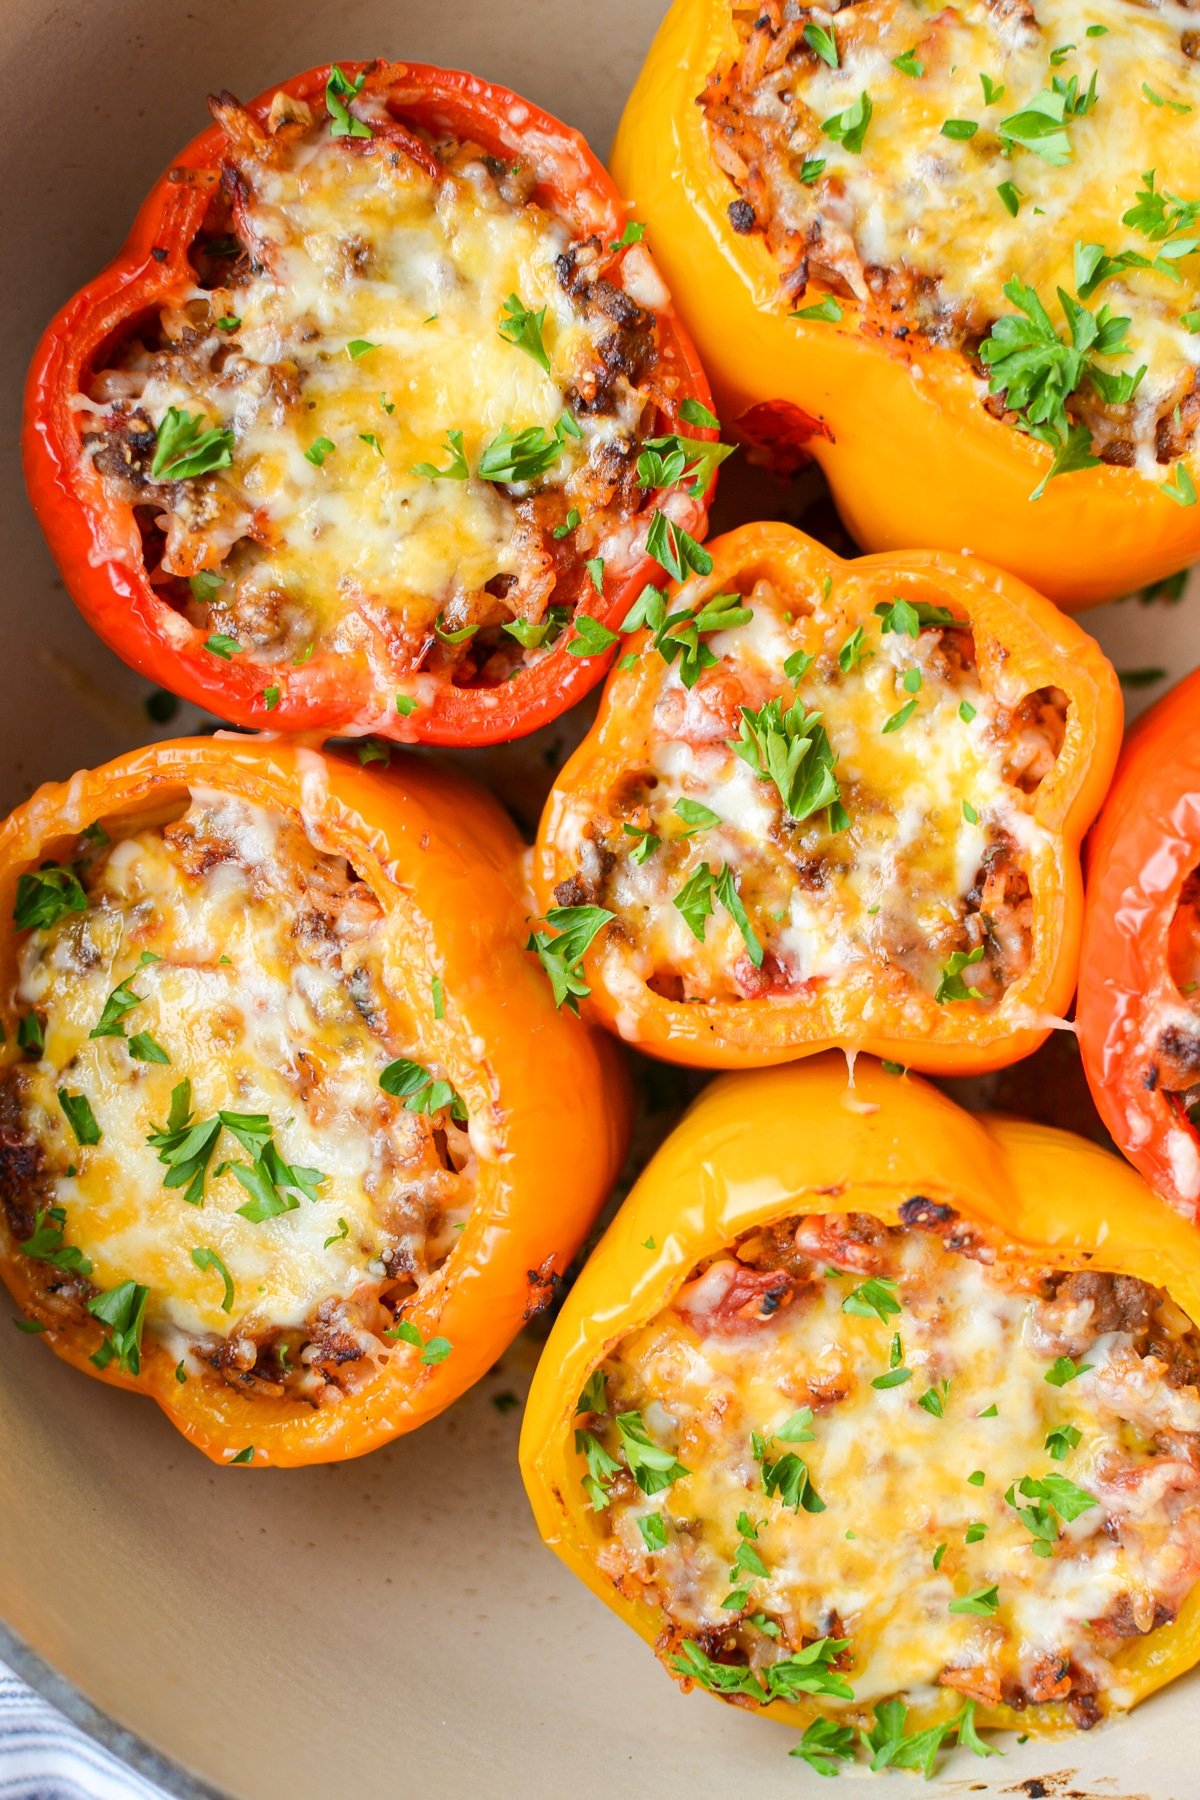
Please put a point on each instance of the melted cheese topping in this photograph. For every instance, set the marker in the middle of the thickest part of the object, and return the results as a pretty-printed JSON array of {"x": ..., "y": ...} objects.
[
  {"x": 930, "y": 861},
  {"x": 267, "y": 988},
  {"x": 906, "y": 1486},
  {"x": 367, "y": 324},
  {"x": 925, "y": 204}
]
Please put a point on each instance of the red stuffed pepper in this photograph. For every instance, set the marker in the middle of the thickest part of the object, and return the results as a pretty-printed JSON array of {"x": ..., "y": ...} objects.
[
  {"x": 1139, "y": 979},
  {"x": 378, "y": 419}
]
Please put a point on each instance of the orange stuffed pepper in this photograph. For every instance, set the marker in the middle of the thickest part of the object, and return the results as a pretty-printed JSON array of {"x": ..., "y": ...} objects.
[
  {"x": 882, "y": 1420},
  {"x": 1139, "y": 985},
  {"x": 834, "y": 803},
  {"x": 275, "y": 1147},
  {"x": 949, "y": 258}
]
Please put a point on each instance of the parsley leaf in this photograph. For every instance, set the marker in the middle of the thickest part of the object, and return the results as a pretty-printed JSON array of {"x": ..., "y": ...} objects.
[
  {"x": 338, "y": 90},
  {"x": 517, "y": 456},
  {"x": 45, "y": 1243},
  {"x": 652, "y": 1467},
  {"x": 204, "y": 1258},
  {"x": 122, "y": 1312},
  {"x": 77, "y": 1109},
  {"x": 825, "y": 1743},
  {"x": 951, "y": 985},
  {"x": 674, "y": 550},
  {"x": 524, "y": 328},
  {"x": 456, "y": 469},
  {"x": 562, "y": 956},
  {"x": 592, "y": 638},
  {"x": 910, "y": 618},
  {"x": 183, "y": 450},
  {"x": 1061, "y": 1441},
  {"x": 421, "y": 1091},
  {"x": 849, "y": 128},
  {"x": 1064, "y": 1369},
  {"x": 984, "y": 1602},
  {"x": 790, "y": 748},
  {"x": 874, "y": 1298},
  {"x": 664, "y": 462},
  {"x": 46, "y": 895}
]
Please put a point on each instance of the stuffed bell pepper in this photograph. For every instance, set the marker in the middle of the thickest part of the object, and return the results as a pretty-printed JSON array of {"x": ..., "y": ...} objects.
[
  {"x": 950, "y": 252},
  {"x": 274, "y": 1146},
  {"x": 883, "y": 1419},
  {"x": 1139, "y": 977},
  {"x": 831, "y": 802},
  {"x": 352, "y": 436}
]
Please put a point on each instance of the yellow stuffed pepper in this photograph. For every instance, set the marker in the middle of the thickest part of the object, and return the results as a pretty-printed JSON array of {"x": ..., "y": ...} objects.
[
  {"x": 952, "y": 260},
  {"x": 882, "y": 1418}
]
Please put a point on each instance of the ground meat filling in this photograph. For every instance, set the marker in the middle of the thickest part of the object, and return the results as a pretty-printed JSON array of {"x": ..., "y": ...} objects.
[
  {"x": 1174, "y": 1065},
  {"x": 198, "y": 1121},
  {"x": 944, "y": 1467},
  {"x": 729, "y": 885},
  {"x": 829, "y": 127},
  {"x": 350, "y": 354}
]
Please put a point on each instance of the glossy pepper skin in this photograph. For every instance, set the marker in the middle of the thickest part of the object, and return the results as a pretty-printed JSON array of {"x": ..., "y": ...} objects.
[
  {"x": 900, "y": 430},
  {"x": 442, "y": 860},
  {"x": 756, "y": 1149},
  {"x": 1015, "y": 629},
  {"x": 96, "y": 542},
  {"x": 1145, "y": 844}
]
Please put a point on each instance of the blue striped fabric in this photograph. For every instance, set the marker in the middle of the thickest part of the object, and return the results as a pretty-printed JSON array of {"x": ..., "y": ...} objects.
[{"x": 44, "y": 1757}]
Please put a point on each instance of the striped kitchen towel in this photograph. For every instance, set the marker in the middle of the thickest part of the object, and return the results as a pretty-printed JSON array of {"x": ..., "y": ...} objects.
[{"x": 44, "y": 1757}]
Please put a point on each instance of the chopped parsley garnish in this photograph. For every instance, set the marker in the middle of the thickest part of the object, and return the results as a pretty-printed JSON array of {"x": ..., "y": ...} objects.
[
  {"x": 359, "y": 347},
  {"x": 1178, "y": 106},
  {"x": 695, "y": 901},
  {"x": 204, "y": 1259},
  {"x": 591, "y": 637},
  {"x": 790, "y": 747},
  {"x": 561, "y": 956},
  {"x": 1010, "y": 195},
  {"x": 806, "y": 1671},
  {"x": 892, "y": 1747},
  {"x": 909, "y": 618},
  {"x": 568, "y": 525},
  {"x": 984, "y": 1602},
  {"x": 246, "y": 1455},
  {"x": 45, "y": 1243},
  {"x": 338, "y": 90},
  {"x": 183, "y": 450},
  {"x": 335, "y": 1237},
  {"x": 77, "y": 1109},
  {"x": 823, "y": 41},
  {"x": 664, "y": 462},
  {"x": 270, "y": 698},
  {"x": 674, "y": 550},
  {"x": 524, "y": 328},
  {"x": 976, "y": 1478},
  {"x": 122, "y": 1312},
  {"x": 46, "y": 895},
  {"x": 531, "y": 634},
  {"x": 633, "y": 233},
  {"x": 319, "y": 449},
  {"x": 369, "y": 437},
  {"x": 787, "y": 1476},
  {"x": 696, "y": 816},
  {"x": 1037, "y": 371},
  {"x": 433, "y": 1350},
  {"x": 206, "y": 584},
  {"x": 421, "y": 1091},
  {"x": 143, "y": 1048},
  {"x": 966, "y": 711},
  {"x": 959, "y": 128},
  {"x": 850, "y": 655},
  {"x": 230, "y": 322},
  {"x": 993, "y": 91},
  {"x": 897, "y": 720},
  {"x": 30, "y": 1036},
  {"x": 1065, "y": 1369},
  {"x": 969, "y": 813},
  {"x": 222, "y": 645},
  {"x": 874, "y": 1298},
  {"x": 185, "y": 1147},
  {"x": 1052, "y": 1495},
  {"x": 951, "y": 985},
  {"x": 677, "y": 635},
  {"x": 517, "y": 456},
  {"x": 459, "y": 635},
  {"x": 826, "y": 311},
  {"x": 811, "y": 169},
  {"x": 909, "y": 64},
  {"x": 647, "y": 843},
  {"x": 652, "y": 1467},
  {"x": 654, "y": 1531},
  {"x": 121, "y": 1001},
  {"x": 1061, "y": 1441},
  {"x": 938, "y": 1554},
  {"x": 456, "y": 470},
  {"x": 595, "y": 568},
  {"x": 826, "y": 1743},
  {"x": 1181, "y": 488},
  {"x": 849, "y": 128}
]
